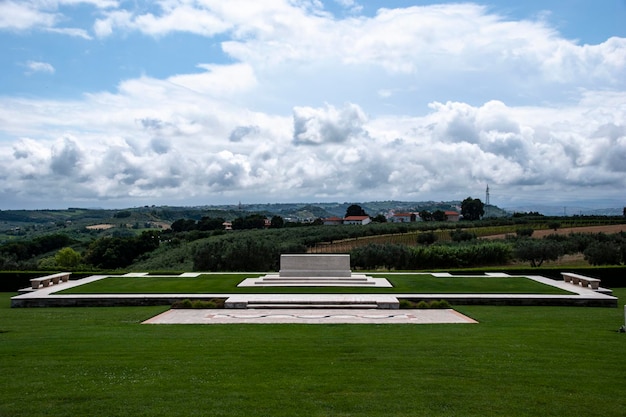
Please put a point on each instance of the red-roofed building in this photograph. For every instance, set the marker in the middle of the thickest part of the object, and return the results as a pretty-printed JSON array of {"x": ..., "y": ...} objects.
[
  {"x": 452, "y": 216},
  {"x": 333, "y": 221},
  {"x": 404, "y": 217},
  {"x": 357, "y": 220}
]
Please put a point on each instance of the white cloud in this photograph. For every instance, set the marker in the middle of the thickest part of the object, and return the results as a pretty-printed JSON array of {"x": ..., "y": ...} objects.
[
  {"x": 23, "y": 15},
  {"x": 416, "y": 103},
  {"x": 179, "y": 144},
  {"x": 27, "y": 14},
  {"x": 75, "y": 32},
  {"x": 37, "y": 66},
  {"x": 328, "y": 125}
]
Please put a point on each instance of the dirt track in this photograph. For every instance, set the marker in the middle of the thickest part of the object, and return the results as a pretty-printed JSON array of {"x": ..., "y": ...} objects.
[{"x": 615, "y": 228}]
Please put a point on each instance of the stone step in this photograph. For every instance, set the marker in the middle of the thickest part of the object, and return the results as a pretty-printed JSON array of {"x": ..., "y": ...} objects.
[
  {"x": 382, "y": 301},
  {"x": 291, "y": 282},
  {"x": 316, "y": 306},
  {"x": 309, "y": 278}
]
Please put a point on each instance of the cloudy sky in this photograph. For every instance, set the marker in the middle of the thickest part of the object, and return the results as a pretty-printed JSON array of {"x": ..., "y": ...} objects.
[{"x": 123, "y": 103}]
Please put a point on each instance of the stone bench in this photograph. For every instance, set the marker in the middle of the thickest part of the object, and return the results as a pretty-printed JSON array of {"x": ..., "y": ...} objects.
[
  {"x": 582, "y": 280},
  {"x": 54, "y": 279}
]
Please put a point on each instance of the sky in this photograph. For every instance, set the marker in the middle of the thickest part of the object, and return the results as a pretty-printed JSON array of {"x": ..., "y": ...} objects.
[{"x": 126, "y": 103}]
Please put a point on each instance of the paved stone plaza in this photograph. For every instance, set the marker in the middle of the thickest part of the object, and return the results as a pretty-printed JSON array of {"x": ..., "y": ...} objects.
[{"x": 308, "y": 316}]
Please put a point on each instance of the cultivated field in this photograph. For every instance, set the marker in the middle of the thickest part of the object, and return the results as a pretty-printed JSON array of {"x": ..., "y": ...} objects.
[{"x": 609, "y": 229}]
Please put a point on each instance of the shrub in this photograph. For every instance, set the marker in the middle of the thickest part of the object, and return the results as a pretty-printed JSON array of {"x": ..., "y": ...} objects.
[
  {"x": 188, "y": 304},
  {"x": 426, "y": 238},
  {"x": 524, "y": 232},
  {"x": 603, "y": 253},
  {"x": 462, "y": 235},
  {"x": 441, "y": 304},
  {"x": 182, "y": 304}
]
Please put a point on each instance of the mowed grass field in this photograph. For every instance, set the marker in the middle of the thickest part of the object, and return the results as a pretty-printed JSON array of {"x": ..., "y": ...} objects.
[
  {"x": 518, "y": 361},
  {"x": 227, "y": 284}
]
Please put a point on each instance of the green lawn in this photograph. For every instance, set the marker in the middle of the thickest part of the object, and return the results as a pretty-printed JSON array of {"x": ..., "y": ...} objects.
[
  {"x": 518, "y": 361},
  {"x": 227, "y": 283}
]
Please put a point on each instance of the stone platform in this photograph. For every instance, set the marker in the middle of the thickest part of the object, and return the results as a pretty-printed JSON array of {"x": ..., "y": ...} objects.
[
  {"x": 307, "y": 270},
  {"x": 328, "y": 316}
]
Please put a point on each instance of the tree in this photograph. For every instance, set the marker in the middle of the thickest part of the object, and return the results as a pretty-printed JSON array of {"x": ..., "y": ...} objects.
[
  {"x": 426, "y": 215},
  {"x": 355, "y": 210},
  {"x": 525, "y": 232},
  {"x": 460, "y": 235},
  {"x": 472, "y": 208},
  {"x": 277, "y": 222},
  {"x": 537, "y": 251},
  {"x": 67, "y": 258},
  {"x": 426, "y": 238},
  {"x": 439, "y": 216},
  {"x": 554, "y": 225},
  {"x": 603, "y": 253}
]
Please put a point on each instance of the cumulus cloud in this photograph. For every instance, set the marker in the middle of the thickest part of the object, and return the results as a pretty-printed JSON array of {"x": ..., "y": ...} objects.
[
  {"x": 514, "y": 149},
  {"x": 65, "y": 157},
  {"x": 326, "y": 125},
  {"x": 241, "y": 132}
]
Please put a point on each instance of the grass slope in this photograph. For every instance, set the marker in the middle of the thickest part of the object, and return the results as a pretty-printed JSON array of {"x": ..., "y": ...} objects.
[
  {"x": 227, "y": 283},
  {"x": 519, "y": 361}
]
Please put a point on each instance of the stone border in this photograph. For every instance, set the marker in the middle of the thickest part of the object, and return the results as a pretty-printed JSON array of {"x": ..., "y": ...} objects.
[{"x": 45, "y": 297}]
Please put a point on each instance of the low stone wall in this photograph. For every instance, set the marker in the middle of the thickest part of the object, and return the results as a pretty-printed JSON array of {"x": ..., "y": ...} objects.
[{"x": 300, "y": 265}]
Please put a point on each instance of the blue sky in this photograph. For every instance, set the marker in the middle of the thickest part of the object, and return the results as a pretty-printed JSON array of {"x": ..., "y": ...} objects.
[{"x": 116, "y": 103}]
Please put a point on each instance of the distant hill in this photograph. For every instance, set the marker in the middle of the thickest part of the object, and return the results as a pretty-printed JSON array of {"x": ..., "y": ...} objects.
[
  {"x": 151, "y": 216},
  {"x": 566, "y": 210}
]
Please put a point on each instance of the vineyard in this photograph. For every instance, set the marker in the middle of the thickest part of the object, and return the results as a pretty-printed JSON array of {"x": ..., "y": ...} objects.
[
  {"x": 444, "y": 235},
  {"x": 409, "y": 238}
]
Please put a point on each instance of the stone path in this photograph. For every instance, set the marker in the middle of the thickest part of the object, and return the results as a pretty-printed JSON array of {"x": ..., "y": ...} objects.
[{"x": 304, "y": 316}]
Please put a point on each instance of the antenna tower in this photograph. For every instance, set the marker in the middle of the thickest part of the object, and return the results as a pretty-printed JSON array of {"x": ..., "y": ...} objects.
[{"x": 487, "y": 195}]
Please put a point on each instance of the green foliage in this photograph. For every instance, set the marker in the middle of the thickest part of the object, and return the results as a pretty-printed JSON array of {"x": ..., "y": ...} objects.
[
  {"x": 426, "y": 215},
  {"x": 26, "y": 249},
  {"x": 459, "y": 235},
  {"x": 439, "y": 216},
  {"x": 277, "y": 222},
  {"x": 239, "y": 254},
  {"x": 605, "y": 253},
  {"x": 379, "y": 218},
  {"x": 252, "y": 221},
  {"x": 472, "y": 209},
  {"x": 67, "y": 258},
  {"x": 524, "y": 232},
  {"x": 355, "y": 210},
  {"x": 199, "y": 304},
  {"x": 119, "y": 252},
  {"x": 554, "y": 225},
  {"x": 422, "y": 304},
  {"x": 394, "y": 256},
  {"x": 426, "y": 238},
  {"x": 536, "y": 251}
]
